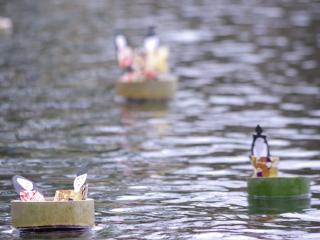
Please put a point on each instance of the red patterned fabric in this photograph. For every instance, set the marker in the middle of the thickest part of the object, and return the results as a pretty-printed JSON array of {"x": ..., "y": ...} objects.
[{"x": 31, "y": 196}]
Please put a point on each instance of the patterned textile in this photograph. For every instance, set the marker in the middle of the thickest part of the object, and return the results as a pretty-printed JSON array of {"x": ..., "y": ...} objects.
[
  {"x": 265, "y": 166},
  {"x": 31, "y": 196}
]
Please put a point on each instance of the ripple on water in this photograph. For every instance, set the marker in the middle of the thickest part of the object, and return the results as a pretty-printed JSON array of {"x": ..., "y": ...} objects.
[
  {"x": 172, "y": 171},
  {"x": 189, "y": 36}
]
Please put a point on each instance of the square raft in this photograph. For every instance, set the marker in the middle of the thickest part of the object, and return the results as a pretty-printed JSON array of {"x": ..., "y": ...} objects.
[{"x": 50, "y": 215}]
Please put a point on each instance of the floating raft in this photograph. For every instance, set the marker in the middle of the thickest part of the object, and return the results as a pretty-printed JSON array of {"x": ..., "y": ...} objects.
[
  {"x": 163, "y": 89},
  {"x": 50, "y": 215},
  {"x": 279, "y": 187}
]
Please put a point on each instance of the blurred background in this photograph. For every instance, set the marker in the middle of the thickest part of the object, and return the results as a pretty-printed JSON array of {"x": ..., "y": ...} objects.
[{"x": 162, "y": 171}]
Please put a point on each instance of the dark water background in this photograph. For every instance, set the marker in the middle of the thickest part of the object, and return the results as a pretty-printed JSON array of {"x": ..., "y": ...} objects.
[{"x": 175, "y": 171}]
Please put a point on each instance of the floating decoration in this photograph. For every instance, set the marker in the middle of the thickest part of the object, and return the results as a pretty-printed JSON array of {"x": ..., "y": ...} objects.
[
  {"x": 265, "y": 182},
  {"x": 26, "y": 189},
  {"x": 264, "y": 165},
  {"x": 145, "y": 72},
  {"x": 79, "y": 192},
  {"x": 69, "y": 209}
]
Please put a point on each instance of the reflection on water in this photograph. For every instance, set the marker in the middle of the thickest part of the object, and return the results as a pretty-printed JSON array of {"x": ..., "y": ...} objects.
[
  {"x": 75, "y": 234},
  {"x": 277, "y": 206},
  {"x": 175, "y": 171}
]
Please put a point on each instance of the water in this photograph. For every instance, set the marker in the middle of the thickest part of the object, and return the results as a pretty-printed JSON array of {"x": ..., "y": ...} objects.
[{"x": 175, "y": 171}]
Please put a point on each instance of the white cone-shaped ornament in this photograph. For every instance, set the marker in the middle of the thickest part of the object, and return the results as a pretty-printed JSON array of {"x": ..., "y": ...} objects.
[
  {"x": 260, "y": 148},
  {"x": 151, "y": 41},
  {"x": 264, "y": 165},
  {"x": 26, "y": 189},
  {"x": 80, "y": 180}
]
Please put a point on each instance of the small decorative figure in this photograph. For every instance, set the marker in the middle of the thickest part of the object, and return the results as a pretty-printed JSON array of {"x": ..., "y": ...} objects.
[
  {"x": 148, "y": 63},
  {"x": 80, "y": 188},
  {"x": 264, "y": 165},
  {"x": 151, "y": 41},
  {"x": 68, "y": 211},
  {"x": 27, "y": 190},
  {"x": 124, "y": 52}
]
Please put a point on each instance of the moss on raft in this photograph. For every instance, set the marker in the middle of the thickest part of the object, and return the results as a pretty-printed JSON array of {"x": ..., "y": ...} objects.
[{"x": 280, "y": 187}]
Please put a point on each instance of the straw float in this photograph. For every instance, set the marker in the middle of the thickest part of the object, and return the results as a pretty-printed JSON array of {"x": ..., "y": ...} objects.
[
  {"x": 69, "y": 209},
  {"x": 145, "y": 72}
]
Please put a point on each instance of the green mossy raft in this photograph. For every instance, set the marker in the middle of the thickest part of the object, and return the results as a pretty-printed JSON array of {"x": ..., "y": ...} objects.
[
  {"x": 164, "y": 89},
  {"x": 52, "y": 215},
  {"x": 279, "y": 187}
]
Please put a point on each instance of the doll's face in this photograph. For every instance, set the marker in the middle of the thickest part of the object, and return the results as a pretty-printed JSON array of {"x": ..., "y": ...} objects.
[
  {"x": 25, "y": 184},
  {"x": 79, "y": 181}
]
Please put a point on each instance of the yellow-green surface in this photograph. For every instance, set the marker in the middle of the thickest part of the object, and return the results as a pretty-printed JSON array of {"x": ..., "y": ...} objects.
[
  {"x": 278, "y": 187},
  {"x": 51, "y": 214},
  {"x": 148, "y": 89}
]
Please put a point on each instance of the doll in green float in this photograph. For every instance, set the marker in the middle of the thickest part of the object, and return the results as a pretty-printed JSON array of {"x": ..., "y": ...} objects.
[{"x": 263, "y": 163}]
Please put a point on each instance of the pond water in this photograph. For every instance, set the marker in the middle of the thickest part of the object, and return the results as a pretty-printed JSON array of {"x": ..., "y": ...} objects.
[{"x": 163, "y": 171}]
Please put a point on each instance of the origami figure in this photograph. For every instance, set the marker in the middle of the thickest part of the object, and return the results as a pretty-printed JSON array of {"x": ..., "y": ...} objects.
[
  {"x": 264, "y": 165},
  {"x": 80, "y": 189},
  {"x": 28, "y": 191},
  {"x": 148, "y": 63}
]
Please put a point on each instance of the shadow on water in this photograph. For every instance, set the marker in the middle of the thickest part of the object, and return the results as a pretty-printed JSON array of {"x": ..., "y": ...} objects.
[{"x": 68, "y": 234}]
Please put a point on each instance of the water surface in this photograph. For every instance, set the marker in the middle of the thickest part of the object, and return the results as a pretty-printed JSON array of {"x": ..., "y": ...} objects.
[{"x": 163, "y": 171}]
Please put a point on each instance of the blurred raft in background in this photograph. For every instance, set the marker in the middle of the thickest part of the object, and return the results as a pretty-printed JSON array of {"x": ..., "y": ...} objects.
[
  {"x": 176, "y": 171},
  {"x": 145, "y": 73}
]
